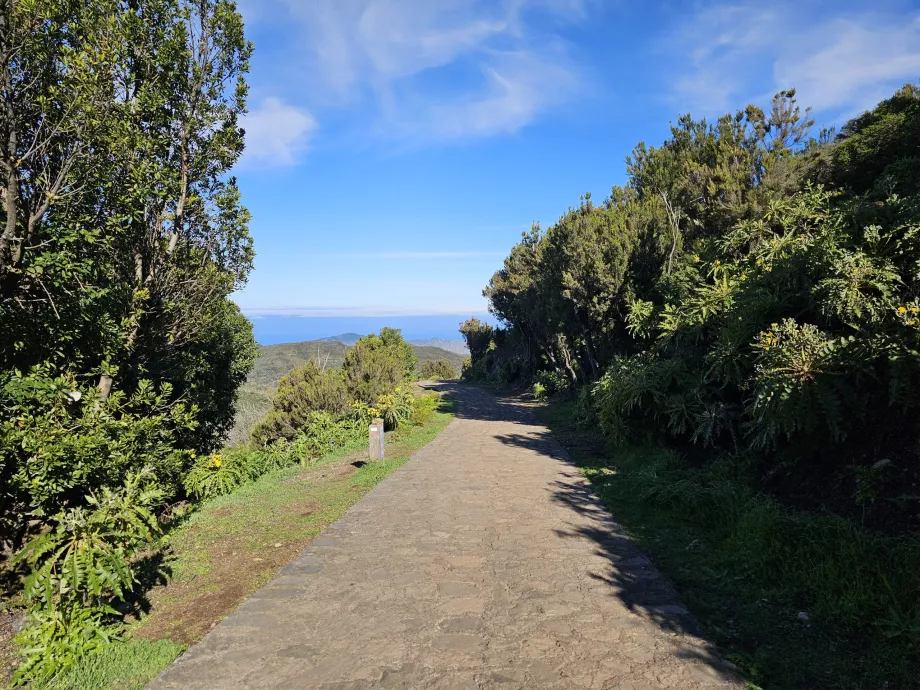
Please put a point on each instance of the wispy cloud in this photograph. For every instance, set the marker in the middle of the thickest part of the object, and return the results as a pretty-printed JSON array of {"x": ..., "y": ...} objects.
[
  {"x": 277, "y": 133},
  {"x": 840, "y": 63},
  {"x": 428, "y": 71},
  {"x": 425, "y": 255},
  {"x": 352, "y": 311}
]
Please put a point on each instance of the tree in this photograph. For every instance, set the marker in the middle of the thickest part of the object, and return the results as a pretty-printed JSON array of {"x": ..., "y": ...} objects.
[
  {"x": 478, "y": 336},
  {"x": 438, "y": 369},
  {"x": 122, "y": 233},
  {"x": 376, "y": 365}
]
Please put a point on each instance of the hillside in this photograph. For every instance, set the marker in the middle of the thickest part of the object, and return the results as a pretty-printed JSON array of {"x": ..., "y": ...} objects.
[
  {"x": 458, "y": 347},
  {"x": 274, "y": 361}
]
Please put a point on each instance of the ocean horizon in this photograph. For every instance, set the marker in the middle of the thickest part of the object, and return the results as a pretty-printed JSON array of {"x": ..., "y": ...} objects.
[{"x": 274, "y": 329}]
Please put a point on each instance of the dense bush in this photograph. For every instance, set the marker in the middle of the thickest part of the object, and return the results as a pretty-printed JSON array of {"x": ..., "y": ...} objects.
[
  {"x": 60, "y": 442},
  {"x": 377, "y": 364},
  {"x": 438, "y": 369},
  {"x": 78, "y": 569},
  {"x": 374, "y": 377},
  {"x": 304, "y": 390},
  {"x": 750, "y": 289}
]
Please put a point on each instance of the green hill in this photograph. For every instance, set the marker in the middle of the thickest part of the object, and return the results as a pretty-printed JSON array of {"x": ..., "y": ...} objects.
[{"x": 274, "y": 361}]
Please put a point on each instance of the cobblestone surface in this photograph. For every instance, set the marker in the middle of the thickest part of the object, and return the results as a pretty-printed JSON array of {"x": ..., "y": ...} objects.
[{"x": 485, "y": 562}]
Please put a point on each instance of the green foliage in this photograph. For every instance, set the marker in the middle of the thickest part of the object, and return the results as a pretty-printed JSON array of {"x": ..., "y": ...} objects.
[
  {"x": 478, "y": 336},
  {"x": 123, "y": 237},
  {"x": 128, "y": 665},
  {"x": 311, "y": 399},
  {"x": 437, "y": 369},
  {"x": 749, "y": 289},
  {"x": 396, "y": 407},
  {"x": 87, "y": 558},
  {"x": 376, "y": 365},
  {"x": 539, "y": 391},
  {"x": 423, "y": 407},
  {"x": 215, "y": 475},
  {"x": 60, "y": 442},
  {"x": 77, "y": 569},
  {"x": 392, "y": 339},
  {"x": 53, "y": 640},
  {"x": 304, "y": 390}
]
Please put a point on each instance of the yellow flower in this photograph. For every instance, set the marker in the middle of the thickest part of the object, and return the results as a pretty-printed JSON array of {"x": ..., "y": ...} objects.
[
  {"x": 216, "y": 461},
  {"x": 913, "y": 310},
  {"x": 902, "y": 309},
  {"x": 774, "y": 325},
  {"x": 718, "y": 261},
  {"x": 766, "y": 347}
]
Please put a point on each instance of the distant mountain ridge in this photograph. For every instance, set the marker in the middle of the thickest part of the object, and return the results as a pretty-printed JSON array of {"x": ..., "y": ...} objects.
[
  {"x": 348, "y": 339},
  {"x": 458, "y": 347}
]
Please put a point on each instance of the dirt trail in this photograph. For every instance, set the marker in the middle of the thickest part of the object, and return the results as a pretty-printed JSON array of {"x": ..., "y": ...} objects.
[{"x": 486, "y": 561}]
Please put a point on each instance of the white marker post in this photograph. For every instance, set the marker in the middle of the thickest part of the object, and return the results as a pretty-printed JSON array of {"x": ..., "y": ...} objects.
[{"x": 375, "y": 440}]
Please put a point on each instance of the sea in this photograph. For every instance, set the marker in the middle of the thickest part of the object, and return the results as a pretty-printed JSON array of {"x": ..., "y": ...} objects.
[{"x": 270, "y": 330}]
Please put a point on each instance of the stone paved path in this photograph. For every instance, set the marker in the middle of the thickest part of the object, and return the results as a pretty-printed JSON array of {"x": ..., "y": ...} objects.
[{"x": 485, "y": 562}]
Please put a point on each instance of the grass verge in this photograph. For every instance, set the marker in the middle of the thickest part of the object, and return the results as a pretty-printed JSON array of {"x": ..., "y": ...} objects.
[
  {"x": 796, "y": 600},
  {"x": 234, "y": 544}
]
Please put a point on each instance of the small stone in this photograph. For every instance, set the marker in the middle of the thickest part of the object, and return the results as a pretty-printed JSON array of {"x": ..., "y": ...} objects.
[
  {"x": 278, "y": 544},
  {"x": 693, "y": 544},
  {"x": 804, "y": 617},
  {"x": 881, "y": 463},
  {"x": 76, "y": 396},
  {"x": 258, "y": 560}
]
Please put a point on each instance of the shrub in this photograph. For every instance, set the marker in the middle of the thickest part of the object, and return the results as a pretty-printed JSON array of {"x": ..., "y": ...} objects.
[
  {"x": 553, "y": 382},
  {"x": 53, "y": 640},
  {"x": 438, "y": 369},
  {"x": 304, "y": 390},
  {"x": 324, "y": 434},
  {"x": 77, "y": 569},
  {"x": 423, "y": 407},
  {"x": 392, "y": 339},
  {"x": 60, "y": 442},
  {"x": 396, "y": 407},
  {"x": 375, "y": 366},
  {"x": 215, "y": 475},
  {"x": 87, "y": 557}
]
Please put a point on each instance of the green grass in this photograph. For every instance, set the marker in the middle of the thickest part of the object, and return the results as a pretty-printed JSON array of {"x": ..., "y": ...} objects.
[
  {"x": 234, "y": 544},
  {"x": 747, "y": 567},
  {"x": 121, "y": 666}
]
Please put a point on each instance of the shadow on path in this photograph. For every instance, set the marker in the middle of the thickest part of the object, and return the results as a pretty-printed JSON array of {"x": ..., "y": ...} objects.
[{"x": 631, "y": 576}]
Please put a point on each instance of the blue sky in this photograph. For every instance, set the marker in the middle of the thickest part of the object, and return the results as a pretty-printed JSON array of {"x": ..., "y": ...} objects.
[{"x": 396, "y": 149}]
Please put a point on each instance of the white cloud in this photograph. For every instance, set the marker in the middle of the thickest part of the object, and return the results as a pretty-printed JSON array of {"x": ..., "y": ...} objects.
[
  {"x": 427, "y": 255},
  {"x": 726, "y": 55},
  {"x": 421, "y": 70},
  {"x": 308, "y": 311},
  {"x": 277, "y": 133}
]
